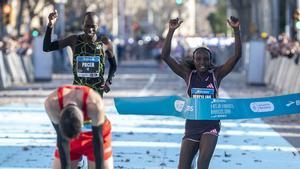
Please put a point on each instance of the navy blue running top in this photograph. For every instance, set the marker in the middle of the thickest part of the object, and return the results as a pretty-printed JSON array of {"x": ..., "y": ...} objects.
[{"x": 201, "y": 85}]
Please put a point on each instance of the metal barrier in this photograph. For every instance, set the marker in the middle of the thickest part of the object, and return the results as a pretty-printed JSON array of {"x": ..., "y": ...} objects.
[
  {"x": 283, "y": 74},
  {"x": 28, "y": 67},
  {"x": 5, "y": 79},
  {"x": 15, "y": 69}
]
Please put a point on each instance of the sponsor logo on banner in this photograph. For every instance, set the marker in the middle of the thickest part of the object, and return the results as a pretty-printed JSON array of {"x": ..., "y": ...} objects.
[
  {"x": 189, "y": 109},
  {"x": 290, "y": 103},
  {"x": 179, "y": 104},
  {"x": 262, "y": 106},
  {"x": 296, "y": 103}
]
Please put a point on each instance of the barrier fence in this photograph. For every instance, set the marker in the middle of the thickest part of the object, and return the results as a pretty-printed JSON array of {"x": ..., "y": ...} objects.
[
  {"x": 15, "y": 69},
  {"x": 283, "y": 74}
]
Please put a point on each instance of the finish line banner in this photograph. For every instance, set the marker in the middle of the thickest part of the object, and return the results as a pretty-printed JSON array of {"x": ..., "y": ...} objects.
[{"x": 209, "y": 109}]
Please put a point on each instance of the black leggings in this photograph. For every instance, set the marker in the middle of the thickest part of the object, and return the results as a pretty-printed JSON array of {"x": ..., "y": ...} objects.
[{"x": 189, "y": 149}]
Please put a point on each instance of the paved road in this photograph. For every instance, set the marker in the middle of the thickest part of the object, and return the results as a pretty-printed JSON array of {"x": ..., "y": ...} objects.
[{"x": 27, "y": 138}]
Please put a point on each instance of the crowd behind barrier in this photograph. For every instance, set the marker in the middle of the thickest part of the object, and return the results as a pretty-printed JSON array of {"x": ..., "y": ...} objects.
[
  {"x": 282, "y": 64},
  {"x": 149, "y": 47},
  {"x": 283, "y": 46},
  {"x": 282, "y": 59}
]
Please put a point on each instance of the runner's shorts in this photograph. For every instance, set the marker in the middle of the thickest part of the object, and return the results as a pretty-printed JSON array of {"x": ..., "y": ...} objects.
[
  {"x": 83, "y": 145},
  {"x": 196, "y": 134}
]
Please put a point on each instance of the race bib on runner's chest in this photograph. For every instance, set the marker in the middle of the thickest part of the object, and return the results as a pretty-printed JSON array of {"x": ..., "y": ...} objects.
[
  {"x": 88, "y": 66},
  {"x": 202, "y": 93},
  {"x": 87, "y": 126}
]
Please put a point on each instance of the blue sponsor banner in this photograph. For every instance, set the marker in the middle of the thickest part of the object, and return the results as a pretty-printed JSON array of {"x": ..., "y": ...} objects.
[{"x": 210, "y": 109}]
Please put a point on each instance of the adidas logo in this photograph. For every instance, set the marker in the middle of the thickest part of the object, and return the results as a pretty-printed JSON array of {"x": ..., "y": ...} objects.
[
  {"x": 211, "y": 86},
  {"x": 214, "y": 131}
]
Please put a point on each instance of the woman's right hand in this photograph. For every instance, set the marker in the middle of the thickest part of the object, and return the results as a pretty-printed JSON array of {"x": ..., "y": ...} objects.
[
  {"x": 175, "y": 23},
  {"x": 234, "y": 23},
  {"x": 52, "y": 18}
]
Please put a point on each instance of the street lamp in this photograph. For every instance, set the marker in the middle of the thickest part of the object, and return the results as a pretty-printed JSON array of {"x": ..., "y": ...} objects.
[
  {"x": 179, "y": 2},
  {"x": 6, "y": 14}
]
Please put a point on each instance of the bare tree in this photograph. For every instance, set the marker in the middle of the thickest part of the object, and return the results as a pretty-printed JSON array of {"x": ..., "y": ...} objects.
[
  {"x": 163, "y": 14},
  {"x": 243, "y": 8},
  {"x": 34, "y": 8}
]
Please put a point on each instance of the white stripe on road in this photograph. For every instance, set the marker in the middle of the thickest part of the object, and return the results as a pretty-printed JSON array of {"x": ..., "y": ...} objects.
[
  {"x": 151, "y": 144},
  {"x": 180, "y": 122},
  {"x": 264, "y": 144},
  {"x": 219, "y": 146},
  {"x": 19, "y": 133},
  {"x": 146, "y": 87},
  {"x": 181, "y": 131},
  {"x": 20, "y": 168},
  {"x": 254, "y": 125},
  {"x": 8, "y": 119}
]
